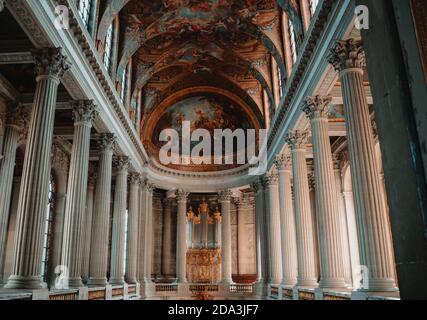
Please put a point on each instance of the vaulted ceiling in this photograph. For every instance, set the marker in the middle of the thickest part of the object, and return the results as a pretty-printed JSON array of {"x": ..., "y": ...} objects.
[
  {"x": 175, "y": 45},
  {"x": 223, "y": 43}
]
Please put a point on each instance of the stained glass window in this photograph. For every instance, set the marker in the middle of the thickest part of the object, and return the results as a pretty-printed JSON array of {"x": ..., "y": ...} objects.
[
  {"x": 108, "y": 47},
  {"x": 313, "y": 6},
  {"x": 292, "y": 41},
  {"x": 85, "y": 10},
  {"x": 124, "y": 84}
]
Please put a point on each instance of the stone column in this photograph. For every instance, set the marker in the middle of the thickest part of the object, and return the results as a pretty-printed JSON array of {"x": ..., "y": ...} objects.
[
  {"x": 353, "y": 241},
  {"x": 119, "y": 222},
  {"x": 348, "y": 58},
  {"x": 73, "y": 235},
  {"x": 2, "y": 5},
  {"x": 14, "y": 124},
  {"x": 101, "y": 213},
  {"x": 146, "y": 226},
  {"x": 287, "y": 222},
  {"x": 271, "y": 182},
  {"x": 259, "y": 230},
  {"x": 181, "y": 237},
  {"x": 224, "y": 199},
  {"x": 343, "y": 222},
  {"x": 88, "y": 222},
  {"x": 141, "y": 231},
  {"x": 167, "y": 237},
  {"x": 307, "y": 276},
  {"x": 132, "y": 238},
  {"x": 33, "y": 196},
  {"x": 240, "y": 235},
  {"x": 328, "y": 219}
]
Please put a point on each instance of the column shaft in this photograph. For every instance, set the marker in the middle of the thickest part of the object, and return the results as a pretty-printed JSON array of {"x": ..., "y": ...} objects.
[
  {"x": 72, "y": 243},
  {"x": 274, "y": 230},
  {"x": 181, "y": 234},
  {"x": 372, "y": 222},
  {"x": 101, "y": 214},
  {"x": 307, "y": 275},
  {"x": 119, "y": 223},
  {"x": 225, "y": 197},
  {"x": 287, "y": 222},
  {"x": 167, "y": 238},
  {"x": 7, "y": 166},
  {"x": 33, "y": 196},
  {"x": 132, "y": 238},
  {"x": 88, "y": 231},
  {"x": 328, "y": 219}
]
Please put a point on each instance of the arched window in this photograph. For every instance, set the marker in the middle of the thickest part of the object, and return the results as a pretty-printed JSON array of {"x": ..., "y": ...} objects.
[
  {"x": 85, "y": 7},
  {"x": 292, "y": 40},
  {"x": 124, "y": 84},
  {"x": 313, "y": 6},
  {"x": 108, "y": 47},
  {"x": 48, "y": 231}
]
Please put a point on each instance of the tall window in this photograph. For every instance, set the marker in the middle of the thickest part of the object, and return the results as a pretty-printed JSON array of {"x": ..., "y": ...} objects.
[
  {"x": 108, "y": 47},
  {"x": 279, "y": 74},
  {"x": 85, "y": 7},
  {"x": 292, "y": 40},
  {"x": 48, "y": 231},
  {"x": 124, "y": 84},
  {"x": 313, "y": 6}
]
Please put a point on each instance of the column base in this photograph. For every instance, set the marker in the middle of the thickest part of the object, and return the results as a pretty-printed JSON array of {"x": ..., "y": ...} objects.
[
  {"x": 378, "y": 285},
  {"x": 290, "y": 282},
  {"x": 23, "y": 282},
  {"x": 97, "y": 282},
  {"x": 75, "y": 282},
  {"x": 307, "y": 283},
  {"x": 337, "y": 284},
  {"x": 117, "y": 281}
]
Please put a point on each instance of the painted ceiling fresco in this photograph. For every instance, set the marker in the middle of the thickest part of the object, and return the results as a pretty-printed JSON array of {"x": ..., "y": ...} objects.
[
  {"x": 175, "y": 45},
  {"x": 207, "y": 112}
]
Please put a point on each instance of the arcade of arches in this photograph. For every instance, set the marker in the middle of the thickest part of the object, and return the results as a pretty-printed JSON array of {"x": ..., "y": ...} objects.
[{"x": 88, "y": 211}]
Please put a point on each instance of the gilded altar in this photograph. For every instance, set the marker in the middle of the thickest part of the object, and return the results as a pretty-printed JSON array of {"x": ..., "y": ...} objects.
[{"x": 204, "y": 265}]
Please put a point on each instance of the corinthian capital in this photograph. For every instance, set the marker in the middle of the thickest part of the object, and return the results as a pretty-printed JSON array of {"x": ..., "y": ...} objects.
[
  {"x": 18, "y": 117},
  {"x": 317, "y": 106},
  {"x": 181, "y": 195},
  {"x": 106, "y": 142},
  {"x": 256, "y": 186},
  {"x": 121, "y": 163},
  {"x": 50, "y": 62},
  {"x": 297, "y": 139},
  {"x": 347, "y": 54},
  {"x": 271, "y": 179},
  {"x": 283, "y": 161},
  {"x": 84, "y": 111},
  {"x": 225, "y": 195},
  {"x": 134, "y": 178}
]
